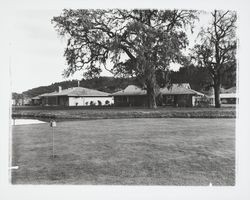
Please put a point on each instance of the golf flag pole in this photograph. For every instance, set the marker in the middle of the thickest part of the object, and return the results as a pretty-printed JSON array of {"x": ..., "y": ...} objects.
[
  {"x": 53, "y": 142},
  {"x": 52, "y": 125}
]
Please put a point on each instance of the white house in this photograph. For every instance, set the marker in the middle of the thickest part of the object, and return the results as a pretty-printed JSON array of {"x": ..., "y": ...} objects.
[{"x": 76, "y": 96}]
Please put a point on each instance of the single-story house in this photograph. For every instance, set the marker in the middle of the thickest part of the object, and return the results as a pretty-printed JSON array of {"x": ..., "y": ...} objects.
[
  {"x": 76, "y": 96},
  {"x": 131, "y": 96},
  {"x": 179, "y": 95},
  {"x": 174, "y": 95}
]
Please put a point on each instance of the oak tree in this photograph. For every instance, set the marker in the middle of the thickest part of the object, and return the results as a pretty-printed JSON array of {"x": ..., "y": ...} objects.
[{"x": 133, "y": 43}]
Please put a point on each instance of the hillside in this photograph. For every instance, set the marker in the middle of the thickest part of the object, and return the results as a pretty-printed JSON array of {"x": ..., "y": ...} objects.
[
  {"x": 198, "y": 79},
  {"x": 106, "y": 84}
]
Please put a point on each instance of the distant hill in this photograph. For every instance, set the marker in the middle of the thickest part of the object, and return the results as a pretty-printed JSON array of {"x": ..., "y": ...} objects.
[
  {"x": 105, "y": 84},
  {"x": 198, "y": 78}
]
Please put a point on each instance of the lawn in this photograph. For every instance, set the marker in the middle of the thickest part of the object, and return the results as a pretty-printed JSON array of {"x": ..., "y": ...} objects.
[
  {"x": 126, "y": 151},
  {"x": 86, "y": 113}
]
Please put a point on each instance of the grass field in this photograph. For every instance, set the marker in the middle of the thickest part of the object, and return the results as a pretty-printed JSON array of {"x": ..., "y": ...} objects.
[
  {"x": 85, "y": 113},
  {"x": 126, "y": 151}
]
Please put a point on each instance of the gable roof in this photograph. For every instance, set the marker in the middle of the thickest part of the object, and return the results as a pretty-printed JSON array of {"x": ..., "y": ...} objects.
[
  {"x": 77, "y": 92},
  {"x": 181, "y": 88},
  {"x": 130, "y": 90}
]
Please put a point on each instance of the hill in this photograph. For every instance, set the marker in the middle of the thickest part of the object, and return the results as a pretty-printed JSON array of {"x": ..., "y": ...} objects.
[{"x": 105, "y": 84}]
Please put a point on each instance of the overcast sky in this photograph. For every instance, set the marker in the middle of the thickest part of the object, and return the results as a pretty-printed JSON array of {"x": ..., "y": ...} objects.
[{"x": 37, "y": 50}]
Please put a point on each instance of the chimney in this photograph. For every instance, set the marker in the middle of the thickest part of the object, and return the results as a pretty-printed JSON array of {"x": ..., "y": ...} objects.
[{"x": 59, "y": 88}]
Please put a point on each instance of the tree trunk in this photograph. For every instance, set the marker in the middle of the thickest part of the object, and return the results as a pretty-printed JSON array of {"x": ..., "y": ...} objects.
[
  {"x": 151, "y": 96},
  {"x": 217, "y": 95},
  {"x": 151, "y": 90}
]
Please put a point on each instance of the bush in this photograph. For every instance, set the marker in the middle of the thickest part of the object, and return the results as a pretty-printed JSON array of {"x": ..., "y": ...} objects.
[{"x": 107, "y": 102}]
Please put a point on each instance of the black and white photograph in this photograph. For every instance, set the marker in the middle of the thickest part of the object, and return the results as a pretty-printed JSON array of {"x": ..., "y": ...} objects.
[{"x": 124, "y": 96}]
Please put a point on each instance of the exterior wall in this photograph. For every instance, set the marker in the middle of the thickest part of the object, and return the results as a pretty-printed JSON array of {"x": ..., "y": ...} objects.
[
  {"x": 63, "y": 101},
  {"x": 184, "y": 100},
  {"x": 76, "y": 101},
  {"x": 52, "y": 101},
  {"x": 180, "y": 100},
  {"x": 102, "y": 100},
  {"x": 87, "y": 101},
  {"x": 141, "y": 100},
  {"x": 228, "y": 100}
]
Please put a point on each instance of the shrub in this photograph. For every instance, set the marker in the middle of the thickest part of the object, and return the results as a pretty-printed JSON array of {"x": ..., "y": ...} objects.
[{"x": 107, "y": 102}]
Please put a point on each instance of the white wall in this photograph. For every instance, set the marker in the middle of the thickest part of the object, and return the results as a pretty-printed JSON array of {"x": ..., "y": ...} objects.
[
  {"x": 96, "y": 99},
  {"x": 76, "y": 101},
  {"x": 85, "y": 101}
]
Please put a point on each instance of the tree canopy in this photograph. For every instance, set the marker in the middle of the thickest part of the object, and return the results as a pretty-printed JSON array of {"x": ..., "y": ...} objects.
[
  {"x": 126, "y": 42},
  {"x": 217, "y": 51}
]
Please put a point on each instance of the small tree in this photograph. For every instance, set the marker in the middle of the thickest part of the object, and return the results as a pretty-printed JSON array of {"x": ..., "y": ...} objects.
[{"x": 218, "y": 48}]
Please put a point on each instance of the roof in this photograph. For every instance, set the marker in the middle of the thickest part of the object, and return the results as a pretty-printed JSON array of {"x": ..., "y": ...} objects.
[
  {"x": 225, "y": 95},
  {"x": 36, "y": 97},
  {"x": 183, "y": 88},
  {"x": 228, "y": 95},
  {"x": 130, "y": 90},
  {"x": 179, "y": 89},
  {"x": 77, "y": 92}
]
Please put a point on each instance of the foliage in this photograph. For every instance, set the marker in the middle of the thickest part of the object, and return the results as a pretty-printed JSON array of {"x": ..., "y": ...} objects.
[
  {"x": 135, "y": 42},
  {"x": 197, "y": 77},
  {"x": 217, "y": 52}
]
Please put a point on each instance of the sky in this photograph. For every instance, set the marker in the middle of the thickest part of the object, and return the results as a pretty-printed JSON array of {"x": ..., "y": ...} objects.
[{"x": 36, "y": 49}]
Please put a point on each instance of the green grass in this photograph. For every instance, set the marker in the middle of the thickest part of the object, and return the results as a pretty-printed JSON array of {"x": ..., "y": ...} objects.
[{"x": 127, "y": 151}]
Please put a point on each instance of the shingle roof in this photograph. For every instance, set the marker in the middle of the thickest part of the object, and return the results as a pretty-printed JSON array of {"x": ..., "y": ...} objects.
[
  {"x": 179, "y": 89},
  {"x": 78, "y": 91},
  {"x": 131, "y": 90}
]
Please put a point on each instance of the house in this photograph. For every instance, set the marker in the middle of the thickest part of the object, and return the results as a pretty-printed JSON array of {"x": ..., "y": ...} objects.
[
  {"x": 174, "y": 95},
  {"x": 131, "y": 96},
  {"x": 179, "y": 95},
  {"x": 36, "y": 100},
  {"x": 227, "y": 96},
  {"x": 76, "y": 96}
]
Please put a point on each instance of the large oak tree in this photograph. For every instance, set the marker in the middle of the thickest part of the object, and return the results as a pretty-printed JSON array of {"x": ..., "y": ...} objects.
[
  {"x": 217, "y": 51},
  {"x": 126, "y": 42}
]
